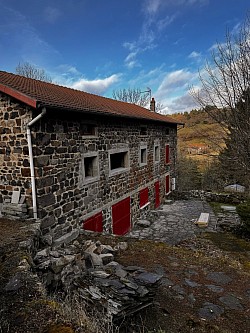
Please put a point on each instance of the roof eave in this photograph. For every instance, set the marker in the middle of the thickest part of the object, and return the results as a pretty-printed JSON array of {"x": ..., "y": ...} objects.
[
  {"x": 109, "y": 114},
  {"x": 19, "y": 96}
]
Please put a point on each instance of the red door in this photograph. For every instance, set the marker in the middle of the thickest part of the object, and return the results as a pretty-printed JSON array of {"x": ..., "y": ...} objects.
[
  {"x": 167, "y": 184},
  {"x": 121, "y": 217},
  {"x": 94, "y": 223},
  {"x": 143, "y": 197},
  {"x": 157, "y": 194}
]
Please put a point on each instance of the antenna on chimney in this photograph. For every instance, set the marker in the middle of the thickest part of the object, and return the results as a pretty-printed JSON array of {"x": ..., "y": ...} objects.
[{"x": 147, "y": 91}]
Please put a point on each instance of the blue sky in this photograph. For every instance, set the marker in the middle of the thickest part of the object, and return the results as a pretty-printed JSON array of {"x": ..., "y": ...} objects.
[{"x": 104, "y": 45}]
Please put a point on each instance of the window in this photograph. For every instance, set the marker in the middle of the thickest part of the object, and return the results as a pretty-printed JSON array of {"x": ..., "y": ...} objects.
[
  {"x": 156, "y": 153},
  {"x": 90, "y": 167},
  {"x": 167, "y": 154},
  {"x": 118, "y": 161},
  {"x": 143, "y": 155},
  {"x": 143, "y": 130},
  {"x": 167, "y": 131},
  {"x": 88, "y": 129}
]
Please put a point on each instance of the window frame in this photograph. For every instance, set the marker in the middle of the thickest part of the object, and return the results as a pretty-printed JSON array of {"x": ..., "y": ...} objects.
[
  {"x": 95, "y": 165},
  {"x": 157, "y": 154},
  {"x": 87, "y": 136},
  {"x": 113, "y": 172},
  {"x": 143, "y": 147}
]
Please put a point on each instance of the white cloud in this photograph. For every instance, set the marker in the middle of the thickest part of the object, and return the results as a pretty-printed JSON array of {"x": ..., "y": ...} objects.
[
  {"x": 175, "y": 80},
  {"x": 173, "y": 92},
  {"x": 194, "y": 55},
  {"x": 183, "y": 103},
  {"x": 51, "y": 14},
  {"x": 152, "y": 6},
  {"x": 97, "y": 86},
  {"x": 163, "y": 23}
]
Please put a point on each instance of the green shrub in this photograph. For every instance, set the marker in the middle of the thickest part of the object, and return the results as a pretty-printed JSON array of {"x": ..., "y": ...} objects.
[{"x": 243, "y": 210}]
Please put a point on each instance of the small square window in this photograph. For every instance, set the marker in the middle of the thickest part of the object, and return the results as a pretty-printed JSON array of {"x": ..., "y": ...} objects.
[
  {"x": 143, "y": 130},
  {"x": 88, "y": 129},
  {"x": 90, "y": 168},
  {"x": 157, "y": 153},
  {"x": 119, "y": 161}
]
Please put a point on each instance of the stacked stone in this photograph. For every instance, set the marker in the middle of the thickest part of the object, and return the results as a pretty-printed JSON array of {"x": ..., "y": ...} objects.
[
  {"x": 90, "y": 272},
  {"x": 120, "y": 291}
]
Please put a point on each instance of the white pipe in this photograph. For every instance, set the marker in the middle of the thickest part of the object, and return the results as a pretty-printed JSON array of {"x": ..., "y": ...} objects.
[{"x": 32, "y": 171}]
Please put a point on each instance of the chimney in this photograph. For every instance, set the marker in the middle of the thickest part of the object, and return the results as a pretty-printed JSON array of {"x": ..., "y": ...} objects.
[{"x": 152, "y": 105}]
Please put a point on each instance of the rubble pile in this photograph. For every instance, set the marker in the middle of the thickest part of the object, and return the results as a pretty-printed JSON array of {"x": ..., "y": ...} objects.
[{"x": 89, "y": 272}]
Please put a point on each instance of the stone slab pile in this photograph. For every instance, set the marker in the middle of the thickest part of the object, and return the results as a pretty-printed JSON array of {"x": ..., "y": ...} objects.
[{"x": 89, "y": 272}]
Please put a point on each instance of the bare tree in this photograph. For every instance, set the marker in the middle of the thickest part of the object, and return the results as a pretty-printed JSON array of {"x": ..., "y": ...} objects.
[
  {"x": 30, "y": 71},
  {"x": 225, "y": 87},
  {"x": 134, "y": 96}
]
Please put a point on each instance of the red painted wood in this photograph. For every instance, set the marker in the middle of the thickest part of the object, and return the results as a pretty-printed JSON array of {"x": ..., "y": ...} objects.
[
  {"x": 167, "y": 184},
  {"x": 167, "y": 154},
  {"x": 157, "y": 194},
  {"x": 18, "y": 95},
  {"x": 143, "y": 197},
  {"x": 121, "y": 217},
  {"x": 94, "y": 223}
]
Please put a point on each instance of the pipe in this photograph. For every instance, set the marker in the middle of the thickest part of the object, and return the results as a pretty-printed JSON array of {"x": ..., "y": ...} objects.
[{"x": 32, "y": 170}]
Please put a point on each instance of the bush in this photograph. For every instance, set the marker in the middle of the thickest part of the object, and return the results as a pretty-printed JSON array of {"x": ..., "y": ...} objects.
[{"x": 243, "y": 210}]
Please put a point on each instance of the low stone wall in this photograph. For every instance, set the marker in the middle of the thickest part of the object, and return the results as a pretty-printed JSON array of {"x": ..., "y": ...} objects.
[{"x": 227, "y": 198}]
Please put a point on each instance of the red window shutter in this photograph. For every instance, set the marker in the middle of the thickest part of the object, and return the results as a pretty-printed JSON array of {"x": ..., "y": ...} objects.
[
  {"x": 167, "y": 184},
  {"x": 167, "y": 155},
  {"x": 94, "y": 223},
  {"x": 143, "y": 197},
  {"x": 157, "y": 194},
  {"x": 121, "y": 217}
]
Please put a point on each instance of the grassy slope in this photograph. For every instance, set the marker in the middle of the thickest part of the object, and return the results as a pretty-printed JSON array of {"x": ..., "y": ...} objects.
[{"x": 200, "y": 131}]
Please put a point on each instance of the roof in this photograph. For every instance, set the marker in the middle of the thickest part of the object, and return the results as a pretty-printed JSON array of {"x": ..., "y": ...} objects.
[{"x": 38, "y": 93}]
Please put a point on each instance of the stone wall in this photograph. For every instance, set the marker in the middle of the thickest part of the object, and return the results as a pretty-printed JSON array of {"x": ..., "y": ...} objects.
[
  {"x": 14, "y": 156},
  {"x": 73, "y": 154}
]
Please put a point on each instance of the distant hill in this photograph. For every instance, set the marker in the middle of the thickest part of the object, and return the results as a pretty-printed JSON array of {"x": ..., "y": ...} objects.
[{"x": 201, "y": 139}]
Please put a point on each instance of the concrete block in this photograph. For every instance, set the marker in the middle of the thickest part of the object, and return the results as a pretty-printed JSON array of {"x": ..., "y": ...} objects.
[
  {"x": 15, "y": 197},
  {"x": 203, "y": 220}
]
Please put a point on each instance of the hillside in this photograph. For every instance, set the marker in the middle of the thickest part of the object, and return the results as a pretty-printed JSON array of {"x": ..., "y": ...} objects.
[{"x": 201, "y": 139}]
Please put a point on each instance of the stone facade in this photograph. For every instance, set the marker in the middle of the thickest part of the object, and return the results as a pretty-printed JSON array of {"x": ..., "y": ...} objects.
[{"x": 84, "y": 164}]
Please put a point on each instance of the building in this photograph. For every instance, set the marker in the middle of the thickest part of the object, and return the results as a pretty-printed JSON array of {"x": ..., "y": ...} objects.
[{"x": 79, "y": 159}]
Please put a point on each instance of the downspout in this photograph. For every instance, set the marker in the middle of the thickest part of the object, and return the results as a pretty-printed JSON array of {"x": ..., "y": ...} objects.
[{"x": 32, "y": 171}]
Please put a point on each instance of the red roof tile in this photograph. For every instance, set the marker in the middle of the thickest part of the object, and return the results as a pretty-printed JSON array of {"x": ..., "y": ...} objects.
[{"x": 35, "y": 92}]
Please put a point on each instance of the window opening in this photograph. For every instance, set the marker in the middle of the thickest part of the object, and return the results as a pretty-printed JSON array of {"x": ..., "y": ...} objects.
[
  {"x": 90, "y": 166},
  {"x": 143, "y": 156},
  {"x": 157, "y": 153},
  {"x": 118, "y": 160}
]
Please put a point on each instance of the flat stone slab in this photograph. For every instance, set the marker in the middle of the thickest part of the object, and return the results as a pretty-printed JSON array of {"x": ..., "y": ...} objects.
[
  {"x": 229, "y": 208},
  {"x": 215, "y": 289},
  {"x": 219, "y": 277},
  {"x": 191, "y": 284},
  {"x": 210, "y": 311},
  {"x": 231, "y": 301}
]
